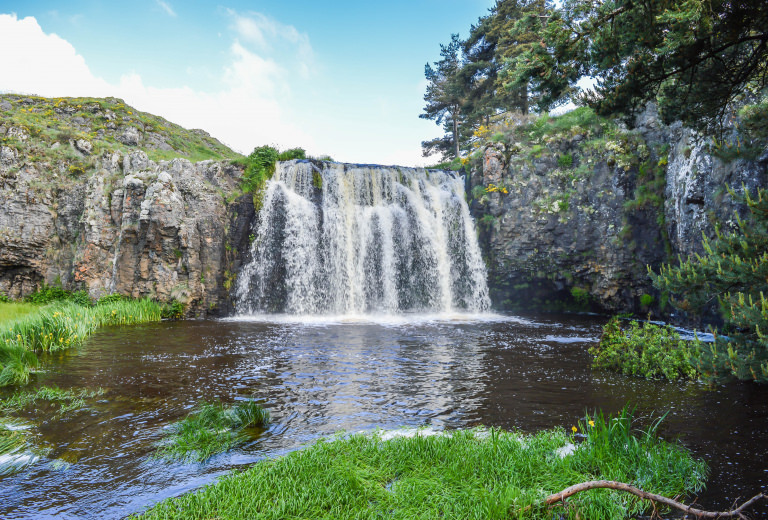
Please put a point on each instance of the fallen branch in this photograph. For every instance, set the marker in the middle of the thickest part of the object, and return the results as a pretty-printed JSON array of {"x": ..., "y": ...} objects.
[{"x": 610, "y": 484}]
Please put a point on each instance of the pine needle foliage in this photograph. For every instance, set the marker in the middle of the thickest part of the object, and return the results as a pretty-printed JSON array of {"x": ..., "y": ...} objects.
[
  {"x": 734, "y": 271},
  {"x": 477, "y": 473},
  {"x": 649, "y": 351}
]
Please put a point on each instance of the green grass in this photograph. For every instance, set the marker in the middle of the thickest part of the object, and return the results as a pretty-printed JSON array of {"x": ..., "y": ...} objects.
[
  {"x": 478, "y": 473},
  {"x": 13, "y": 311},
  {"x": 649, "y": 351},
  {"x": 211, "y": 429},
  {"x": 59, "y": 326},
  {"x": 64, "y": 400}
]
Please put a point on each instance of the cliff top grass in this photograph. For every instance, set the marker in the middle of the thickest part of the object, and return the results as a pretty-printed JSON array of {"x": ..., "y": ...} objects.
[{"x": 70, "y": 131}]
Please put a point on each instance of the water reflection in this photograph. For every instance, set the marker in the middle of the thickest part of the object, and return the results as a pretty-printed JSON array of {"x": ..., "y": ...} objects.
[{"x": 322, "y": 377}]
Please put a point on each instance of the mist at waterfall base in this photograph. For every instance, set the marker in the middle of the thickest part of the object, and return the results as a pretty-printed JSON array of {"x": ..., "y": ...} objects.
[{"x": 351, "y": 240}]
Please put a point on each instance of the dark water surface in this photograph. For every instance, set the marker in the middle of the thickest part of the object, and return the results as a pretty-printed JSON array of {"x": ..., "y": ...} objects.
[{"x": 318, "y": 378}]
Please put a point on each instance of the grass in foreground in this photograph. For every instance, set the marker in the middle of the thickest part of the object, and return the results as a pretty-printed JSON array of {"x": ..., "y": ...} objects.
[
  {"x": 60, "y": 326},
  {"x": 465, "y": 474},
  {"x": 212, "y": 429}
]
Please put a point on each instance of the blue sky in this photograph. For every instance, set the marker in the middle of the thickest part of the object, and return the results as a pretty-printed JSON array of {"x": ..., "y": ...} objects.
[{"x": 338, "y": 78}]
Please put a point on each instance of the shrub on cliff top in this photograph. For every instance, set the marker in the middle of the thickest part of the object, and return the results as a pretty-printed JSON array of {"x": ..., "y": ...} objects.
[{"x": 259, "y": 166}]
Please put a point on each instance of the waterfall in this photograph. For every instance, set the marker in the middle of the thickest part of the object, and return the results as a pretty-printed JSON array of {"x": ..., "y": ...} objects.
[{"x": 335, "y": 238}]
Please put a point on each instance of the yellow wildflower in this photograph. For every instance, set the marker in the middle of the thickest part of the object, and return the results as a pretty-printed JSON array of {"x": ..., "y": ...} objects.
[
  {"x": 591, "y": 423},
  {"x": 574, "y": 429}
]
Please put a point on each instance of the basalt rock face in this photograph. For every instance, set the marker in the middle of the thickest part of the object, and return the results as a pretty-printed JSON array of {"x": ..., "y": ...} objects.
[
  {"x": 573, "y": 223},
  {"x": 134, "y": 226}
]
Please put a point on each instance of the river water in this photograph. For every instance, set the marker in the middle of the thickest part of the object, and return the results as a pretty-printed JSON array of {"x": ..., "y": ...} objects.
[{"x": 322, "y": 376}]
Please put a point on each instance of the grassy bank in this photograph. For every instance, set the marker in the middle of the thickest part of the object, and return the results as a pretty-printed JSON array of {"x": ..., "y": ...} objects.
[
  {"x": 62, "y": 325},
  {"x": 465, "y": 474},
  {"x": 10, "y": 311}
]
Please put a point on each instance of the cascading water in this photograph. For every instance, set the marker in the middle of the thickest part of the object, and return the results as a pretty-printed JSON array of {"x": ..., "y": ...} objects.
[{"x": 350, "y": 239}]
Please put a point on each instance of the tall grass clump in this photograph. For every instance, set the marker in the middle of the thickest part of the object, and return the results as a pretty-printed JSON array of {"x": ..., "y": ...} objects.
[
  {"x": 13, "y": 440},
  {"x": 477, "y": 473},
  {"x": 211, "y": 429}
]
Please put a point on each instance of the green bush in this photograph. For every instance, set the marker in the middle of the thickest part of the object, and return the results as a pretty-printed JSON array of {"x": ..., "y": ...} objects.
[
  {"x": 733, "y": 271},
  {"x": 48, "y": 294},
  {"x": 292, "y": 153},
  {"x": 565, "y": 160},
  {"x": 259, "y": 166},
  {"x": 646, "y": 350},
  {"x": 173, "y": 310},
  {"x": 580, "y": 295},
  {"x": 111, "y": 298}
]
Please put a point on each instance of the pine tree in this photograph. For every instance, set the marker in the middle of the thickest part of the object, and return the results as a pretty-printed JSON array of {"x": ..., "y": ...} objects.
[
  {"x": 693, "y": 57},
  {"x": 446, "y": 97},
  {"x": 733, "y": 270}
]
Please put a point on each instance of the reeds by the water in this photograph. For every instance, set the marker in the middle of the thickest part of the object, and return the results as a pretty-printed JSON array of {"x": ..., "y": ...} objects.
[
  {"x": 213, "y": 428},
  {"x": 65, "y": 399},
  {"x": 489, "y": 474},
  {"x": 59, "y": 326}
]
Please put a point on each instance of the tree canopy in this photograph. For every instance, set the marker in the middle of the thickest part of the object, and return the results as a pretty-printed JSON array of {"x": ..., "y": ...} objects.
[{"x": 695, "y": 58}]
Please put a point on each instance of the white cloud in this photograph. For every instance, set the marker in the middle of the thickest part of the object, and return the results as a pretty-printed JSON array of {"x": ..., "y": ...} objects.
[
  {"x": 245, "y": 112},
  {"x": 43, "y": 63},
  {"x": 167, "y": 8},
  {"x": 271, "y": 37}
]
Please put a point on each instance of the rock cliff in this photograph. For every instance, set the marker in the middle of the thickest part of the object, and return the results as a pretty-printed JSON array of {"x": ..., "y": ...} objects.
[
  {"x": 83, "y": 206},
  {"x": 573, "y": 209}
]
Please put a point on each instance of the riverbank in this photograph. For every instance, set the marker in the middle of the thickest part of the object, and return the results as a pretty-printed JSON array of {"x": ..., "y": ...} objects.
[
  {"x": 58, "y": 326},
  {"x": 475, "y": 473}
]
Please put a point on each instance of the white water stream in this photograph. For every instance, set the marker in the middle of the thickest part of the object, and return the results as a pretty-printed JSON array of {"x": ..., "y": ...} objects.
[{"x": 342, "y": 239}]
